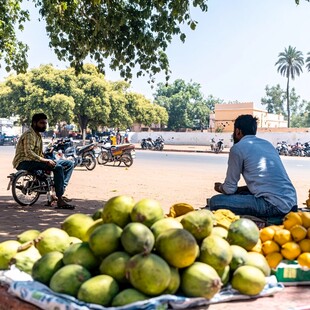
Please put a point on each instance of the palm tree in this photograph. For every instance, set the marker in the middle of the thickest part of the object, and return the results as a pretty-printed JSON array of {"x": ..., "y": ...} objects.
[
  {"x": 290, "y": 64},
  {"x": 308, "y": 62}
]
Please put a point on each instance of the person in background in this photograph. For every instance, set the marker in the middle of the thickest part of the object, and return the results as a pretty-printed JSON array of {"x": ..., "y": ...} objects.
[
  {"x": 268, "y": 192},
  {"x": 118, "y": 136},
  {"x": 126, "y": 136},
  {"x": 29, "y": 156}
]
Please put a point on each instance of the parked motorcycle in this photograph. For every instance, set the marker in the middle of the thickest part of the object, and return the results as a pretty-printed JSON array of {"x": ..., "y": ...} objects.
[
  {"x": 282, "y": 148},
  {"x": 150, "y": 144},
  {"x": 307, "y": 149},
  {"x": 147, "y": 144},
  {"x": 217, "y": 147},
  {"x": 296, "y": 149},
  {"x": 159, "y": 143},
  {"x": 122, "y": 153},
  {"x": 82, "y": 156}
]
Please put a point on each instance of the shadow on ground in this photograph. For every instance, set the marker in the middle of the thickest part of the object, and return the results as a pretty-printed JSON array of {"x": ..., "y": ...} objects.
[{"x": 16, "y": 219}]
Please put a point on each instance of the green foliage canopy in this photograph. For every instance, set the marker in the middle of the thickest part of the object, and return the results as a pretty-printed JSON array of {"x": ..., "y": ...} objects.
[
  {"x": 185, "y": 104},
  {"x": 12, "y": 51},
  {"x": 86, "y": 99},
  {"x": 126, "y": 34}
]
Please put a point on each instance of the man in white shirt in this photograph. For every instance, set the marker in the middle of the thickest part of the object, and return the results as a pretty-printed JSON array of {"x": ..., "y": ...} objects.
[{"x": 268, "y": 192}]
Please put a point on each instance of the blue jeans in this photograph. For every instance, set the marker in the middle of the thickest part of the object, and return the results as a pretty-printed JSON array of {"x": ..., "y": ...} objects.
[
  {"x": 62, "y": 172},
  {"x": 245, "y": 204}
]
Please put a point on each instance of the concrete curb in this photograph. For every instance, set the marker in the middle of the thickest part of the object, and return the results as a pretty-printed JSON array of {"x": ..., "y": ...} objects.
[{"x": 185, "y": 150}]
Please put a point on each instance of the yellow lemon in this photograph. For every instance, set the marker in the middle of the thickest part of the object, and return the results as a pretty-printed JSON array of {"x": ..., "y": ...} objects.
[
  {"x": 274, "y": 259},
  {"x": 304, "y": 245},
  {"x": 276, "y": 227},
  {"x": 298, "y": 233},
  {"x": 290, "y": 250},
  {"x": 304, "y": 259},
  {"x": 292, "y": 219},
  {"x": 305, "y": 217},
  {"x": 308, "y": 233},
  {"x": 257, "y": 247},
  {"x": 282, "y": 236},
  {"x": 270, "y": 246},
  {"x": 266, "y": 233}
]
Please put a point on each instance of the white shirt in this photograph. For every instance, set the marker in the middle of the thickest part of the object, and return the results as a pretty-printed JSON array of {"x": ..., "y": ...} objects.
[{"x": 262, "y": 169}]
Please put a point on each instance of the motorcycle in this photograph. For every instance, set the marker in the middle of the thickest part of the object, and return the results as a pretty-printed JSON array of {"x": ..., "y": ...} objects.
[
  {"x": 282, "y": 148},
  {"x": 150, "y": 144},
  {"x": 122, "y": 153},
  {"x": 147, "y": 144},
  {"x": 159, "y": 144},
  {"x": 296, "y": 150},
  {"x": 82, "y": 156},
  {"x": 28, "y": 186},
  {"x": 307, "y": 149},
  {"x": 217, "y": 147}
]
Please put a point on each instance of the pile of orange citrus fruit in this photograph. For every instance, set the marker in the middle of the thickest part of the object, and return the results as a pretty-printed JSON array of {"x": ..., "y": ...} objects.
[{"x": 289, "y": 241}]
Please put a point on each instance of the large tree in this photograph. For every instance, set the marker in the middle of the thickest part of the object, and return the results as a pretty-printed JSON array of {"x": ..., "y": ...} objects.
[
  {"x": 185, "y": 104},
  {"x": 125, "y": 34},
  {"x": 274, "y": 99},
  {"x": 88, "y": 99},
  {"x": 289, "y": 64}
]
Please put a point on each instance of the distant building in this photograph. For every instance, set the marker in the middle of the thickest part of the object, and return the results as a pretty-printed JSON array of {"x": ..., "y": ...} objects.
[
  {"x": 222, "y": 120},
  {"x": 7, "y": 126}
]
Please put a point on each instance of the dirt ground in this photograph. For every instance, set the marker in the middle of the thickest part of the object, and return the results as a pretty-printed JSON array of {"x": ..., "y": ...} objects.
[
  {"x": 168, "y": 185},
  {"x": 90, "y": 189}
]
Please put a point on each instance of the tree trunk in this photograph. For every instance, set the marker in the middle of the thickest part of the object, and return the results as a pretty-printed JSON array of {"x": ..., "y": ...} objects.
[
  {"x": 288, "y": 102},
  {"x": 83, "y": 121}
]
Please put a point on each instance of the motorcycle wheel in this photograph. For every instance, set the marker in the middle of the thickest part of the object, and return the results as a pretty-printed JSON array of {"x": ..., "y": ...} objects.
[
  {"x": 143, "y": 146},
  {"x": 103, "y": 158},
  {"x": 89, "y": 162},
  {"x": 21, "y": 188},
  {"x": 127, "y": 160}
]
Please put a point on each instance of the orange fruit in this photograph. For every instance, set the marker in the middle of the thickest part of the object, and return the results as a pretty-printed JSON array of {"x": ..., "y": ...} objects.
[
  {"x": 298, "y": 233},
  {"x": 304, "y": 259},
  {"x": 291, "y": 219},
  {"x": 290, "y": 250},
  {"x": 305, "y": 217},
  {"x": 266, "y": 233},
  {"x": 304, "y": 245},
  {"x": 282, "y": 236},
  {"x": 274, "y": 259},
  {"x": 270, "y": 246},
  {"x": 308, "y": 233}
]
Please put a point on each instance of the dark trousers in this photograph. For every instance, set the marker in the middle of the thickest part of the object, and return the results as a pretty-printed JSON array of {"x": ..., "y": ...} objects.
[{"x": 62, "y": 172}]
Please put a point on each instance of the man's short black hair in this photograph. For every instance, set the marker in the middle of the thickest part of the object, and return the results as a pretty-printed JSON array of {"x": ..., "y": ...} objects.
[
  {"x": 37, "y": 117},
  {"x": 247, "y": 124}
]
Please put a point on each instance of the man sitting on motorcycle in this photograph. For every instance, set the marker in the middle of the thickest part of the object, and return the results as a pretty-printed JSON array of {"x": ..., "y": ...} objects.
[
  {"x": 29, "y": 156},
  {"x": 269, "y": 193}
]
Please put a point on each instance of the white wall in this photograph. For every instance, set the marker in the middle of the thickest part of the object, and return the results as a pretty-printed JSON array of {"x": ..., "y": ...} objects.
[{"x": 203, "y": 138}]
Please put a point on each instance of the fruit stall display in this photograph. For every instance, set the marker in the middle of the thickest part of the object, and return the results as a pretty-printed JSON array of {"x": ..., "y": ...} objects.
[
  {"x": 289, "y": 241},
  {"x": 131, "y": 251}
]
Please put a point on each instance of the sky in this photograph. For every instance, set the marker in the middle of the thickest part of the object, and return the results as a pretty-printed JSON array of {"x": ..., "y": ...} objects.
[{"x": 231, "y": 54}]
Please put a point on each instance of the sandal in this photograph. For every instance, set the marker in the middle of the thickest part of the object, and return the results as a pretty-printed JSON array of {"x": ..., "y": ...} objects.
[
  {"x": 66, "y": 199},
  {"x": 67, "y": 207}
]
